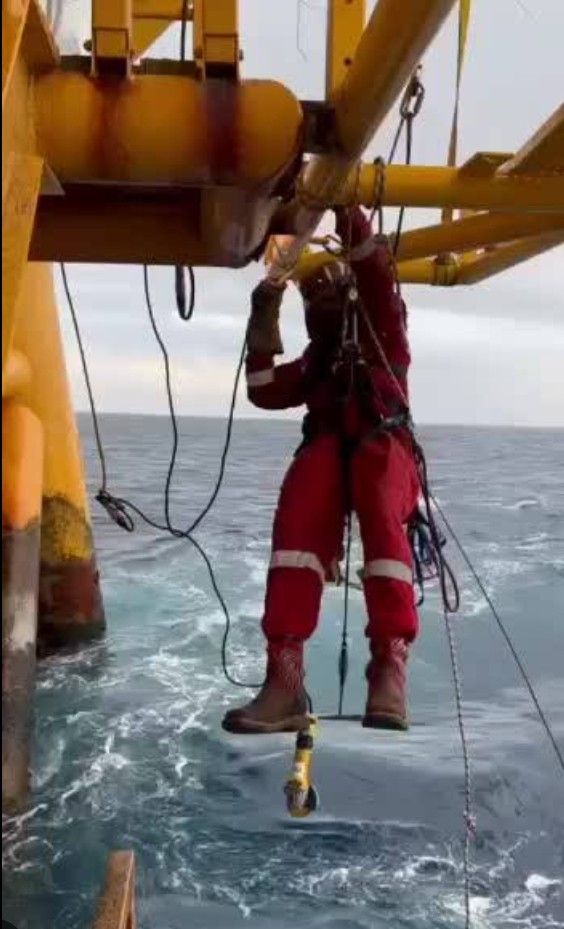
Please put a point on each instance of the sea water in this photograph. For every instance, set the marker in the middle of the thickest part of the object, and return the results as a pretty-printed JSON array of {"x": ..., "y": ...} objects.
[{"x": 129, "y": 754}]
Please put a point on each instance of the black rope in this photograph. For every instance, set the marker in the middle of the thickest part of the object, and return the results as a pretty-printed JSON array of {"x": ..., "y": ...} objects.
[
  {"x": 120, "y": 508},
  {"x": 87, "y": 381},
  {"x": 179, "y": 281},
  {"x": 450, "y": 593},
  {"x": 185, "y": 308},
  {"x": 408, "y": 154},
  {"x": 227, "y": 441},
  {"x": 170, "y": 400},
  {"x": 410, "y": 106}
]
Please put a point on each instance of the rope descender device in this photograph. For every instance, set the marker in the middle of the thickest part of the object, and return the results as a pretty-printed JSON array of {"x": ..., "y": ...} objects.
[{"x": 302, "y": 797}]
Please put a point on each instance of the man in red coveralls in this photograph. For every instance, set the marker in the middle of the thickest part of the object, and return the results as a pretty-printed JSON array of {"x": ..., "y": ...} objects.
[{"x": 356, "y": 454}]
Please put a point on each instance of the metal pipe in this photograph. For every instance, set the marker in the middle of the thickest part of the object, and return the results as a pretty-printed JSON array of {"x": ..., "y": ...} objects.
[
  {"x": 436, "y": 272},
  {"x": 475, "y": 232},
  {"x": 432, "y": 186},
  {"x": 500, "y": 259},
  {"x": 471, "y": 268},
  {"x": 459, "y": 236}
]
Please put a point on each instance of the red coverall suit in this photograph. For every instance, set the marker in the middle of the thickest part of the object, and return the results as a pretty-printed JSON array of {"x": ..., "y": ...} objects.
[
  {"x": 309, "y": 522},
  {"x": 383, "y": 484}
]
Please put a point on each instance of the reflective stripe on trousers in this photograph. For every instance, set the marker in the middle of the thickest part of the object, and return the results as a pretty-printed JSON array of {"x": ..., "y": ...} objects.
[
  {"x": 387, "y": 567},
  {"x": 297, "y": 559}
]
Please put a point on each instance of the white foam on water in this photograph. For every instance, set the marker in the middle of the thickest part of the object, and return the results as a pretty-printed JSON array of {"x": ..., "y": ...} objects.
[
  {"x": 51, "y": 764},
  {"x": 537, "y": 883},
  {"x": 515, "y": 908},
  {"x": 431, "y": 867},
  {"x": 526, "y": 503},
  {"x": 94, "y": 774}
]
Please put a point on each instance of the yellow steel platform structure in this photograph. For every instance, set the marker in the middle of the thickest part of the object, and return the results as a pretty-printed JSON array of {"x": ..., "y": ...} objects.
[{"x": 115, "y": 157}]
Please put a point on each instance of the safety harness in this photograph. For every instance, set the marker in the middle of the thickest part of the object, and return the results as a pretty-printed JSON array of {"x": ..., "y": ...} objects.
[{"x": 354, "y": 389}]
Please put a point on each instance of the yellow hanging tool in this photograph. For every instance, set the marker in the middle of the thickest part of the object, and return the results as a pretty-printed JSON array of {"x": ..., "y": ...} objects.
[{"x": 301, "y": 795}]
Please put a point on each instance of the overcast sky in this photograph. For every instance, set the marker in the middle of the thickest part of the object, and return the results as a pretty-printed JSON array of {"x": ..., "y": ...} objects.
[{"x": 492, "y": 353}]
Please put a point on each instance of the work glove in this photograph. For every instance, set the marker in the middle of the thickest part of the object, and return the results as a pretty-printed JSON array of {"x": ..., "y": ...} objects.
[
  {"x": 263, "y": 332},
  {"x": 351, "y": 225}
]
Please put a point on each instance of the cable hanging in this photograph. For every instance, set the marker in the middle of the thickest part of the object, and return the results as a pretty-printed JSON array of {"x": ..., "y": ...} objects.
[
  {"x": 185, "y": 310},
  {"x": 120, "y": 509}
]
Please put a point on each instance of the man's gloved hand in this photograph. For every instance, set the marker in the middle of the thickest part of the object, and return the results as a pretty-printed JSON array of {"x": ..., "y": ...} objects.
[
  {"x": 351, "y": 225},
  {"x": 342, "y": 223},
  {"x": 263, "y": 332}
]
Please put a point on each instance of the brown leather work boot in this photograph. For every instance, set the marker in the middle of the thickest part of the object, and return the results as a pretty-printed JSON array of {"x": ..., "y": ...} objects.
[
  {"x": 281, "y": 704},
  {"x": 386, "y": 706}
]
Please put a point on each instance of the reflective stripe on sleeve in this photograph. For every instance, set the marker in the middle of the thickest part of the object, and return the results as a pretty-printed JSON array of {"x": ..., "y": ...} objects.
[
  {"x": 388, "y": 567},
  {"x": 260, "y": 378},
  {"x": 290, "y": 559}
]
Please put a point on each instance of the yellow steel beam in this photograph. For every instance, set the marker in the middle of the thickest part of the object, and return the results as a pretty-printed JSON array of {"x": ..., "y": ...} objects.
[
  {"x": 344, "y": 29},
  {"x": 388, "y": 52},
  {"x": 25, "y": 29},
  {"x": 431, "y": 186},
  {"x": 99, "y": 225},
  {"x": 13, "y": 22},
  {"x": 152, "y": 17},
  {"x": 436, "y": 272},
  {"x": 69, "y": 590},
  {"x": 19, "y": 201},
  {"x": 475, "y": 232},
  {"x": 69, "y": 593},
  {"x": 471, "y": 268},
  {"x": 112, "y": 36},
  {"x": 216, "y": 37},
  {"x": 544, "y": 152},
  {"x": 28, "y": 48},
  {"x": 484, "y": 164},
  {"x": 461, "y": 235},
  {"x": 163, "y": 129},
  {"x": 507, "y": 256},
  {"x": 441, "y": 271},
  {"x": 16, "y": 375},
  {"x": 221, "y": 226}
]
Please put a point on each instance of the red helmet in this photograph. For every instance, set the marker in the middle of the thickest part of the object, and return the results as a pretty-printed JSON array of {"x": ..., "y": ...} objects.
[{"x": 323, "y": 294}]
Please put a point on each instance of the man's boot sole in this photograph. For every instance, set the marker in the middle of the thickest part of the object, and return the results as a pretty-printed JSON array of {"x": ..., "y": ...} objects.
[
  {"x": 245, "y": 725},
  {"x": 385, "y": 721}
]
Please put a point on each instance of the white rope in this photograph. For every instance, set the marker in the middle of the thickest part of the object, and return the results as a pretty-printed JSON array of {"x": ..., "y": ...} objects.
[{"x": 468, "y": 814}]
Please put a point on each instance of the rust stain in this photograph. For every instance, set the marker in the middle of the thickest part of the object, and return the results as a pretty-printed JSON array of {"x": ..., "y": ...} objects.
[
  {"x": 222, "y": 129},
  {"x": 70, "y": 604},
  {"x": 112, "y": 156},
  {"x": 70, "y": 601},
  {"x": 70, "y": 594}
]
